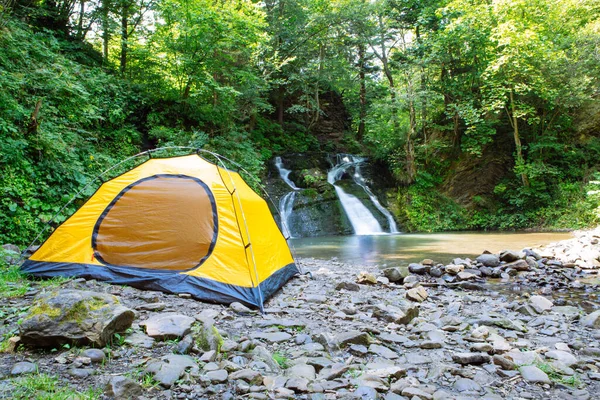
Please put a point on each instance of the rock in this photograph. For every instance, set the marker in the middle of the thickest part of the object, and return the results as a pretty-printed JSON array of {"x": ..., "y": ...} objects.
[
  {"x": 412, "y": 392},
  {"x": 219, "y": 375},
  {"x": 170, "y": 368},
  {"x": 396, "y": 315},
  {"x": 540, "y": 304},
  {"x": 365, "y": 393},
  {"x": 396, "y": 274},
  {"x": 533, "y": 374},
  {"x": 353, "y": 337},
  {"x": 12, "y": 248},
  {"x": 523, "y": 357},
  {"x": 453, "y": 269},
  {"x": 139, "y": 339},
  {"x": 12, "y": 344},
  {"x": 168, "y": 326},
  {"x": 74, "y": 316},
  {"x": 383, "y": 351},
  {"x": 489, "y": 260},
  {"x": 364, "y": 278},
  {"x": 271, "y": 337},
  {"x": 23, "y": 368},
  {"x": 465, "y": 276},
  {"x": 122, "y": 388},
  {"x": 247, "y": 375},
  {"x": 95, "y": 355},
  {"x": 427, "y": 261},
  {"x": 563, "y": 357},
  {"x": 302, "y": 371},
  {"x": 504, "y": 363},
  {"x": 285, "y": 323},
  {"x": 470, "y": 358},
  {"x": 509, "y": 256},
  {"x": 482, "y": 347},
  {"x": 465, "y": 384},
  {"x": 80, "y": 373},
  {"x": 185, "y": 345},
  {"x": 519, "y": 265},
  {"x": 241, "y": 309},
  {"x": 349, "y": 286},
  {"x": 151, "y": 307},
  {"x": 436, "y": 272},
  {"x": 298, "y": 385},
  {"x": 591, "y": 320},
  {"x": 419, "y": 269},
  {"x": 418, "y": 294},
  {"x": 315, "y": 298},
  {"x": 531, "y": 253}
]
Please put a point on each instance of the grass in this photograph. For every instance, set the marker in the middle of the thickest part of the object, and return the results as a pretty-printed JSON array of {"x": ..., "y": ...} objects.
[
  {"x": 47, "y": 387},
  {"x": 556, "y": 377},
  {"x": 281, "y": 360}
]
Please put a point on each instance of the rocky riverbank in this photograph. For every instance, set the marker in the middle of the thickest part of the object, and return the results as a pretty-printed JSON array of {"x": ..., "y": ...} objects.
[{"x": 514, "y": 325}]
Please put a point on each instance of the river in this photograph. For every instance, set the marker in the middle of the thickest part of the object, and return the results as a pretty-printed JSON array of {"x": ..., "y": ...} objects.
[{"x": 401, "y": 249}]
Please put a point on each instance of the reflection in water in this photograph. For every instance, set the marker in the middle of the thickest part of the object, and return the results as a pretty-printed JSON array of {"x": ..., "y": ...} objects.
[{"x": 405, "y": 248}]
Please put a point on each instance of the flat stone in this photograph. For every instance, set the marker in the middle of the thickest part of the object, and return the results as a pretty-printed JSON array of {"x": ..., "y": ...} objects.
[
  {"x": 386, "y": 371},
  {"x": 563, "y": 357},
  {"x": 219, "y": 375},
  {"x": 417, "y": 294},
  {"x": 482, "y": 347},
  {"x": 241, "y": 309},
  {"x": 465, "y": 276},
  {"x": 509, "y": 256},
  {"x": 519, "y": 265},
  {"x": 397, "y": 315},
  {"x": 23, "y": 368},
  {"x": 364, "y": 278},
  {"x": 302, "y": 371},
  {"x": 414, "y": 392},
  {"x": 453, "y": 269},
  {"x": 168, "y": 326},
  {"x": 122, "y": 388},
  {"x": 271, "y": 337},
  {"x": 248, "y": 375},
  {"x": 365, "y": 392},
  {"x": 151, "y": 307},
  {"x": 80, "y": 373},
  {"x": 523, "y": 357},
  {"x": 298, "y": 385},
  {"x": 352, "y": 337},
  {"x": 349, "y": 286},
  {"x": 465, "y": 384},
  {"x": 285, "y": 323},
  {"x": 170, "y": 368},
  {"x": 383, "y": 351},
  {"x": 591, "y": 320},
  {"x": 95, "y": 355},
  {"x": 470, "y": 358},
  {"x": 315, "y": 298},
  {"x": 533, "y": 374},
  {"x": 139, "y": 339}
]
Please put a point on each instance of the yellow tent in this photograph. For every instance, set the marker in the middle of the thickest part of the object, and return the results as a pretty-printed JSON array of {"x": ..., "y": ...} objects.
[{"x": 179, "y": 225}]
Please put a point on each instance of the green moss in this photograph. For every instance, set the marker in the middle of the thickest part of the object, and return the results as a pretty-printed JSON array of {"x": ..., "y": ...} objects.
[
  {"x": 43, "y": 309},
  {"x": 82, "y": 309}
]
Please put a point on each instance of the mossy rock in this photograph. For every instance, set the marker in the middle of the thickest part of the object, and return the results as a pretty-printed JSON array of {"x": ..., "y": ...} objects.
[{"x": 75, "y": 317}]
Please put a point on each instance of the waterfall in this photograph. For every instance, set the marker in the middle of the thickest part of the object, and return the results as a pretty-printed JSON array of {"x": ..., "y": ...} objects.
[
  {"x": 363, "y": 222},
  {"x": 286, "y": 203},
  {"x": 360, "y": 181}
]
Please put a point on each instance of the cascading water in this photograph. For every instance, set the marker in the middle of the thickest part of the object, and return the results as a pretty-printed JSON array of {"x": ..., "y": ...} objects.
[
  {"x": 360, "y": 181},
  {"x": 286, "y": 203},
  {"x": 363, "y": 222}
]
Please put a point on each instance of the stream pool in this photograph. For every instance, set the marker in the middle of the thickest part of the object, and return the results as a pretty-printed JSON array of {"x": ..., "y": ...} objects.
[{"x": 400, "y": 249}]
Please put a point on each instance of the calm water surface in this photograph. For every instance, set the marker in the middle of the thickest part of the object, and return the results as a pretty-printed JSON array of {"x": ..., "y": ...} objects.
[{"x": 401, "y": 249}]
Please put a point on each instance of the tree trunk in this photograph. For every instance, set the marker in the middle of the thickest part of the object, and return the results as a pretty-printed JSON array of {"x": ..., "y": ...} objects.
[
  {"x": 80, "y": 22},
  {"x": 362, "y": 114},
  {"x": 105, "y": 29},
  {"x": 124, "y": 35},
  {"x": 515, "y": 126}
]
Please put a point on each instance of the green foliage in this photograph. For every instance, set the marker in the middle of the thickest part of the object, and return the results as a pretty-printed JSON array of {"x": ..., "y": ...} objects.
[
  {"x": 281, "y": 360},
  {"x": 47, "y": 387}
]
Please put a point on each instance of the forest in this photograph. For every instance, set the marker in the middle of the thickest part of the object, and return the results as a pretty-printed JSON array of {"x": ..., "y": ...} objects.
[{"x": 485, "y": 112}]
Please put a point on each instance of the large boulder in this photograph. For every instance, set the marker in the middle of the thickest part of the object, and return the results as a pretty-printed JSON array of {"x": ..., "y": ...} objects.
[{"x": 74, "y": 316}]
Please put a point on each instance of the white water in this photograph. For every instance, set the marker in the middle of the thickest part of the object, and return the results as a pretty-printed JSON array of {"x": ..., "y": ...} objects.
[
  {"x": 285, "y": 173},
  {"x": 286, "y": 203},
  {"x": 360, "y": 181},
  {"x": 363, "y": 222}
]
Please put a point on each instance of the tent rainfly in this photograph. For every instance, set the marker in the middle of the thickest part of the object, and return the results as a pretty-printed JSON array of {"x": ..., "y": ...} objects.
[{"x": 178, "y": 225}]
